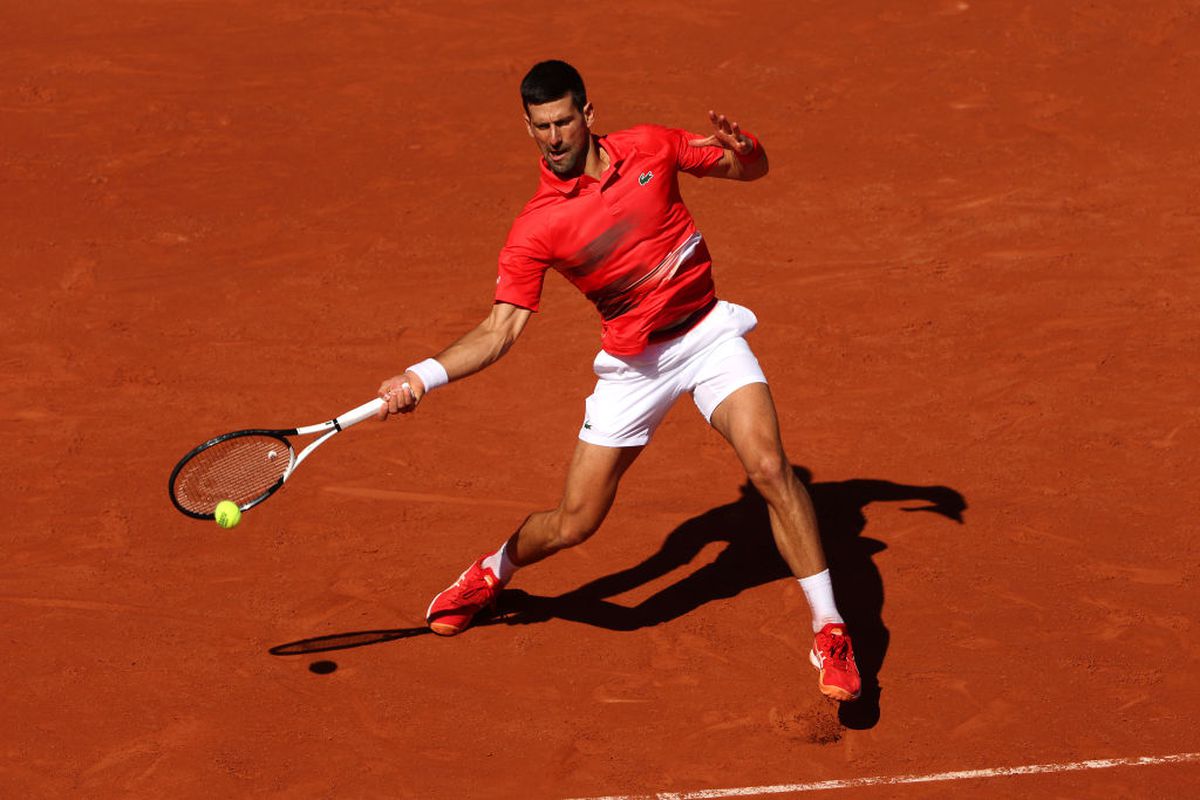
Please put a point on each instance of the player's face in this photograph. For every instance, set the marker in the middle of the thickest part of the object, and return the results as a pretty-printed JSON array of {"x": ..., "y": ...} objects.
[{"x": 563, "y": 134}]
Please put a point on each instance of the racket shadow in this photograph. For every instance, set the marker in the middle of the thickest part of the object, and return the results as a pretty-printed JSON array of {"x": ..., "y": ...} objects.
[
  {"x": 345, "y": 641},
  {"x": 352, "y": 639}
]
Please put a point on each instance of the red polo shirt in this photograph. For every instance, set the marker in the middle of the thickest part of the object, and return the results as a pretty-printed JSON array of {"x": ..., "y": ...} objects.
[{"x": 626, "y": 240}]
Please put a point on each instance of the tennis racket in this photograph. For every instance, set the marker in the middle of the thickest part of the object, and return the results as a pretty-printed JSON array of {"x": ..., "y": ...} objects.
[{"x": 249, "y": 466}]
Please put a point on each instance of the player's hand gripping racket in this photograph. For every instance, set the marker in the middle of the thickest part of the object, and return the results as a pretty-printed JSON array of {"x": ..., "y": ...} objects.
[{"x": 249, "y": 466}]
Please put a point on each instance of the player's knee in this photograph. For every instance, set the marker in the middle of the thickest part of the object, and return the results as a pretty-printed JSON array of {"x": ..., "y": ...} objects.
[
  {"x": 572, "y": 533},
  {"x": 575, "y": 528},
  {"x": 770, "y": 473}
]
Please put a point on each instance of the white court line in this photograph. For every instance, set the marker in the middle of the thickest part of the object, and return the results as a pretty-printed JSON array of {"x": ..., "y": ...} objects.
[{"x": 962, "y": 775}]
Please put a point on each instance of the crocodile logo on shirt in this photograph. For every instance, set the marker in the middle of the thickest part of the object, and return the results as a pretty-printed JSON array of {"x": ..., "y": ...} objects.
[{"x": 645, "y": 178}]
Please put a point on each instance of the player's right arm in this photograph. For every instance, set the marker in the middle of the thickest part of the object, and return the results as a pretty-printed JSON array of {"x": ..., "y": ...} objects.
[{"x": 482, "y": 346}]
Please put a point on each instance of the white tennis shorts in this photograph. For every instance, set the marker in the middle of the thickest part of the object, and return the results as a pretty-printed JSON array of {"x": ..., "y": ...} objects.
[{"x": 634, "y": 393}]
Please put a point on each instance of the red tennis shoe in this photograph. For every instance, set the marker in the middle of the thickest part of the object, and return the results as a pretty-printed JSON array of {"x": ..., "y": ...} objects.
[
  {"x": 452, "y": 610},
  {"x": 834, "y": 657}
]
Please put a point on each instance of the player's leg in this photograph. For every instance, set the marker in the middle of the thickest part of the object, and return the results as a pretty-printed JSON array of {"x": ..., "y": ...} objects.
[
  {"x": 629, "y": 401},
  {"x": 591, "y": 485},
  {"x": 748, "y": 422},
  {"x": 747, "y": 419}
]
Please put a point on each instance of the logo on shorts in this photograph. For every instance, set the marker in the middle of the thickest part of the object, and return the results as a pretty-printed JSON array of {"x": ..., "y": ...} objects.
[
  {"x": 587, "y": 426},
  {"x": 645, "y": 178}
]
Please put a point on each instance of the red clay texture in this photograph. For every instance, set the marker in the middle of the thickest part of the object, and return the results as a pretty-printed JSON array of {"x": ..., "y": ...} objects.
[{"x": 974, "y": 265}]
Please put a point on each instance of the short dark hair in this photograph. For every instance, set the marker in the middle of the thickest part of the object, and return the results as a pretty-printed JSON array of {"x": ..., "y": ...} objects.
[{"x": 548, "y": 81}]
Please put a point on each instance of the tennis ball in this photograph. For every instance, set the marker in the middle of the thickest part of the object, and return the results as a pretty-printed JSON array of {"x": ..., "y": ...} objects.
[{"x": 228, "y": 514}]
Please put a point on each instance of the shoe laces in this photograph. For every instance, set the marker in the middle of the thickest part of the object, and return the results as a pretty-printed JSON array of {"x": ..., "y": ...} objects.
[
  {"x": 466, "y": 591},
  {"x": 837, "y": 647}
]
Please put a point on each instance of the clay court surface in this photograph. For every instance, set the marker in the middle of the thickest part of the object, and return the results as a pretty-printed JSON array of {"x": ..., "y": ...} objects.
[{"x": 974, "y": 265}]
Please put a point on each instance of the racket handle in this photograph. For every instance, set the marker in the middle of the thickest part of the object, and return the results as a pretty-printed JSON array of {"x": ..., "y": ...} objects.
[{"x": 357, "y": 415}]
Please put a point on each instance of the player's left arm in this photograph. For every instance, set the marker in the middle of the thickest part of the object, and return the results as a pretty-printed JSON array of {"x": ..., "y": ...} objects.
[{"x": 744, "y": 158}]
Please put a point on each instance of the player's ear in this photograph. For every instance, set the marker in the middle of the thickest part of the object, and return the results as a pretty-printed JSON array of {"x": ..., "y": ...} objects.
[
  {"x": 589, "y": 114},
  {"x": 528, "y": 125}
]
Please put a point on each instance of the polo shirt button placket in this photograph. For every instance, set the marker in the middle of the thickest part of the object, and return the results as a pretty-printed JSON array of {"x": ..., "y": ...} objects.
[{"x": 610, "y": 197}]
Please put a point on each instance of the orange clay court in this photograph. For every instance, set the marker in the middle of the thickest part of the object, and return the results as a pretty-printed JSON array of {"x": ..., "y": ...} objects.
[{"x": 974, "y": 264}]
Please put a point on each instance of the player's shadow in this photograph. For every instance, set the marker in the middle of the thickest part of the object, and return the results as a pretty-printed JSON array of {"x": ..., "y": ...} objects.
[{"x": 750, "y": 559}]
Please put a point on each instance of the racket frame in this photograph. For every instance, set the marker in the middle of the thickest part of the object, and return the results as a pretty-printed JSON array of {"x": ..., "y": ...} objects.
[{"x": 326, "y": 429}]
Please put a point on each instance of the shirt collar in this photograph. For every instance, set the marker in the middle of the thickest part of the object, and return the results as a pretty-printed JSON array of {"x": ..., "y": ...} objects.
[{"x": 569, "y": 186}]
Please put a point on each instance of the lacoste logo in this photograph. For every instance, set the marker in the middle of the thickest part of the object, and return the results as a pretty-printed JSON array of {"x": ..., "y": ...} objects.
[
  {"x": 587, "y": 426},
  {"x": 645, "y": 178}
]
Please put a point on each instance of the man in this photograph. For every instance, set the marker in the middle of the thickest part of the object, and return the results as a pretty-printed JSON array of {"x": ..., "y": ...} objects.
[{"x": 608, "y": 216}]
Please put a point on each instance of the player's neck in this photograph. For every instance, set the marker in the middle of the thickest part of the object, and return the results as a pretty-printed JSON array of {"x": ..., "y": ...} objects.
[{"x": 597, "y": 159}]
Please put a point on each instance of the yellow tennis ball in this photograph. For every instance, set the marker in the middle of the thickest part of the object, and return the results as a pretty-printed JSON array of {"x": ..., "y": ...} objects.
[{"x": 228, "y": 514}]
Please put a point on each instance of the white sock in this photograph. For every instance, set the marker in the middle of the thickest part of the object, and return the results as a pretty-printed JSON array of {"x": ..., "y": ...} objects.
[
  {"x": 818, "y": 590},
  {"x": 500, "y": 564}
]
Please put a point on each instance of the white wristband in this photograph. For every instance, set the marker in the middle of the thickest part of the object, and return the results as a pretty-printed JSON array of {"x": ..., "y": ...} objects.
[{"x": 431, "y": 373}]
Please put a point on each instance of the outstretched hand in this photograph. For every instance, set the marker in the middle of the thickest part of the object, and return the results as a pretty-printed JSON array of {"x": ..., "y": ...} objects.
[{"x": 725, "y": 134}]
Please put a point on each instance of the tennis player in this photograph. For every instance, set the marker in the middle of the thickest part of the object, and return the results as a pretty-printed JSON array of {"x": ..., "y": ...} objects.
[{"x": 608, "y": 216}]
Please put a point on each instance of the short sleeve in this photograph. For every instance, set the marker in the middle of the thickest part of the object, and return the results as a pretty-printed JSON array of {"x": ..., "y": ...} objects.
[
  {"x": 522, "y": 267},
  {"x": 694, "y": 160}
]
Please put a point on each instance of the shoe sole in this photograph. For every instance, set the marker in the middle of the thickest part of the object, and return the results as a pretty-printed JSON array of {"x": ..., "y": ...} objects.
[
  {"x": 834, "y": 692},
  {"x": 442, "y": 629}
]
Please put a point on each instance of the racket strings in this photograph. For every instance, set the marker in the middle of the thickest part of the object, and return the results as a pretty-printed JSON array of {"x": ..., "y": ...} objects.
[{"x": 240, "y": 469}]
